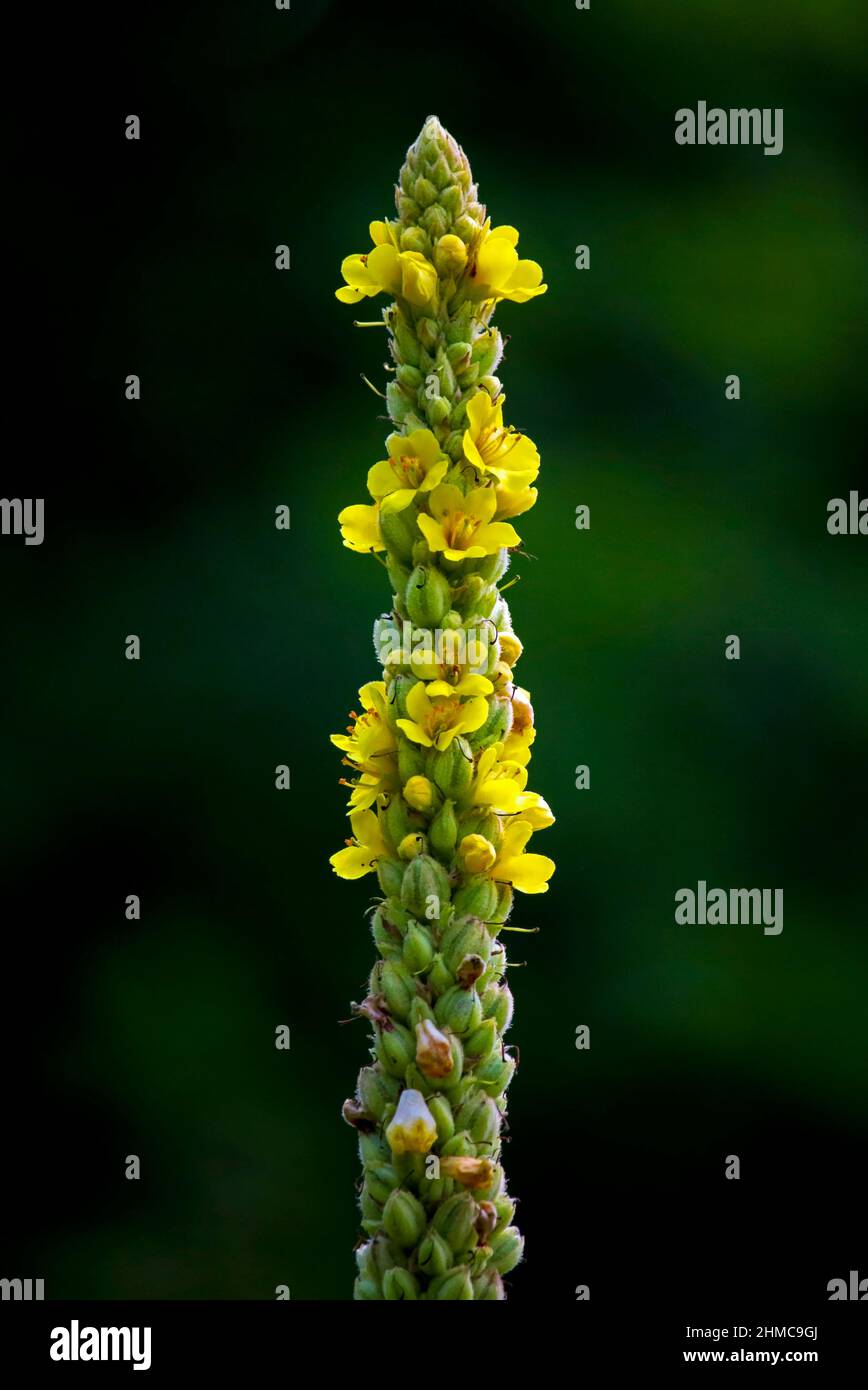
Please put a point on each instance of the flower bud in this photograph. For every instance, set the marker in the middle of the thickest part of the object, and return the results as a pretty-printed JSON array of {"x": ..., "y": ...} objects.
[
  {"x": 479, "y": 1116},
  {"x": 488, "y": 1287},
  {"x": 435, "y": 1256},
  {"x": 418, "y": 951},
  {"x": 376, "y": 1256},
  {"x": 398, "y": 987},
  {"x": 450, "y": 255},
  {"x": 377, "y": 1090},
  {"x": 390, "y": 876},
  {"x": 469, "y": 971},
  {"x": 366, "y": 1291},
  {"x": 507, "y": 1248},
  {"x": 381, "y": 1181},
  {"x": 504, "y": 903},
  {"x": 411, "y": 762},
  {"x": 452, "y": 768},
  {"x": 453, "y": 1287},
  {"x": 397, "y": 529},
  {"x": 496, "y": 726},
  {"x": 412, "y": 844},
  {"x": 428, "y": 331},
  {"x": 454, "y": 1221},
  {"x": 510, "y": 648},
  {"x": 412, "y": 1129},
  {"x": 433, "y": 1053},
  {"x": 404, "y": 1218},
  {"x": 481, "y": 1043},
  {"x": 415, "y": 239},
  {"x": 499, "y": 1004},
  {"x": 435, "y": 220},
  {"x": 420, "y": 1009},
  {"x": 373, "y": 1149},
  {"x": 476, "y": 854},
  {"x": 428, "y": 596},
  {"x": 425, "y": 886},
  {"x": 459, "y": 1010},
  {"x": 395, "y": 1049},
  {"x": 442, "y": 1112},
  {"x": 421, "y": 794},
  {"x": 477, "y": 898},
  {"x": 398, "y": 1285},
  {"x": 495, "y": 1073},
  {"x": 443, "y": 831},
  {"x": 439, "y": 978},
  {"x": 472, "y": 1173}
]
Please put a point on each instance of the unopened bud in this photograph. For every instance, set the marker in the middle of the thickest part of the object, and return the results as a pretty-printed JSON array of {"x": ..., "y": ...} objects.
[
  {"x": 435, "y": 1256},
  {"x": 421, "y": 794},
  {"x": 488, "y": 1287},
  {"x": 399, "y": 1285},
  {"x": 476, "y": 854},
  {"x": 459, "y": 1010},
  {"x": 443, "y": 831},
  {"x": 404, "y": 1218},
  {"x": 450, "y": 255},
  {"x": 454, "y": 1287},
  {"x": 418, "y": 951},
  {"x": 412, "y": 844},
  {"x": 433, "y": 1053},
  {"x": 412, "y": 1129},
  {"x": 507, "y": 1248},
  {"x": 454, "y": 1220}
]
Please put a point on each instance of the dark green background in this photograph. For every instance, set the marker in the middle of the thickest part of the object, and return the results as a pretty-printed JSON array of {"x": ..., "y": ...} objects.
[{"x": 707, "y": 518}]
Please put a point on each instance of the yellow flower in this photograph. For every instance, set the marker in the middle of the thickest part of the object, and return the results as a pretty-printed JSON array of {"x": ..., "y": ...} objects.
[
  {"x": 499, "y": 274},
  {"x": 514, "y": 503},
  {"x": 529, "y": 873},
  {"x": 462, "y": 526},
  {"x": 438, "y": 713},
  {"x": 386, "y": 269},
  {"x": 517, "y": 744},
  {"x": 513, "y": 458},
  {"x": 500, "y": 783},
  {"x": 361, "y": 855},
  {"x": 420, "y": 793},
  {"x": 412, "y": 1130},
  {"x": 370, "y": 746},
  {"x": 416, "y": 463},
  {"x": 360, "y": 528}
]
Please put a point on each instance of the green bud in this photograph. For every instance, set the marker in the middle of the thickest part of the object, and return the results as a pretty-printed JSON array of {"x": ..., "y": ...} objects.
[
  {"x": 398, "y": 1285},
  {"x": 377, "y": 1090},
  {"x": 505, "y": 1208},
  {"x": 411, "y": 759},
  {"x": 493, "y": 567},
  {"x": 439, "y": 977},
  {"x": 498, "y": 1005},
  {"x": 366, "y": 1291},
  {"x": 390, "y": 876},
  {"x": 435, "y": 220},
  {"x": 428, "y": 596},
  {"x": 398, "y": 529},
  {"x": 416, "y": 239},
  {"x": 443, "y": 1118},
  {"x": 425, "y": 887},
  {"x": 396, "y": 1049},
  {"x": 397, "y": 986},
  {"x": 495, "y": 1073},
  {"x": 454, "y": 1287},
  {"x": 404, "y": 1218},
  {"x": 507, "y": 1248},
  {"x": 373, "y": 1149},
  {"x": 477, "y": 898},
  {"x": 488, "y": 1287},
  {"x": 481, "y": 1043},
  {"x": 463, "y": 937},
  {"x": 458, "y": 355},
  {"x": 418, "y": 951},
  {"x": 420, "y": 1009},
  {"x": 452, "y": 768},
  {"x": 435, "y": 1257},
  {"x": 459, "y": 1146},
  {"x": 386, "y": 937},
  {"x": 504, "y": 902},
  {"x": 454, "y": 1221},
  {"x": 400, "y": 403},
  {"x": 405, "y": 338},
  {"x": 452, "y": 202},
  {"x": 381, "y": 1181},
  {"x": 459, "y": 1010},
  {"x": 399, "y": 688},
  {"x": 478, "y": 820},
  {"x": 429, "y": 332},
  {"x": 496, "y": 726},
  {"x": 486, "y": 1124},
  {"x": 424, "y": 192},
  {"x": 443, "y": 832},
  {"x": 468, "y": 595},
  {"x": 396, "y": 819},
  {"x": 409, "y": 377}
]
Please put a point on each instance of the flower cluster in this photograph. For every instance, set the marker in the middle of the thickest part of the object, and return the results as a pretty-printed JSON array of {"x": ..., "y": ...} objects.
[{"x": 438, "y": 752}]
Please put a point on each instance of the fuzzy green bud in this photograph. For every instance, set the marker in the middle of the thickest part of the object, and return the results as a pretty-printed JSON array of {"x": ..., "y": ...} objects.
[
  {"x": 456, "y": 1286},
  {"x": 480, "y": 1044},
  {"x": 507, "y": 1248},
  {"x": 397, "y": 987},
  {"x": 403, "y": 1218},
  {"x": 425, "y": 887},
  {"x": 428, "y": 596},
  {"x": 443, "y": 1118},
  {"x": 435, "y": 1256},
  {"x": 398, "y": 1285},
  {"x": 452, "y": 768},
  {"x": 377, "y": 1090},
  {"x": 454, "y": 1221},
  {"x": 459, "y": 1010},
  {"x": 443, "y": 831},
  {"x": 477, "y": 898},
  {"x": 418, "y": 950},
  {"x": 395, "y": 1048}
]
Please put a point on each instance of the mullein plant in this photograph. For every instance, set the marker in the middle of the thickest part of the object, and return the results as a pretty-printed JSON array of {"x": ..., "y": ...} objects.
[{"x": 439, "y": 747}]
